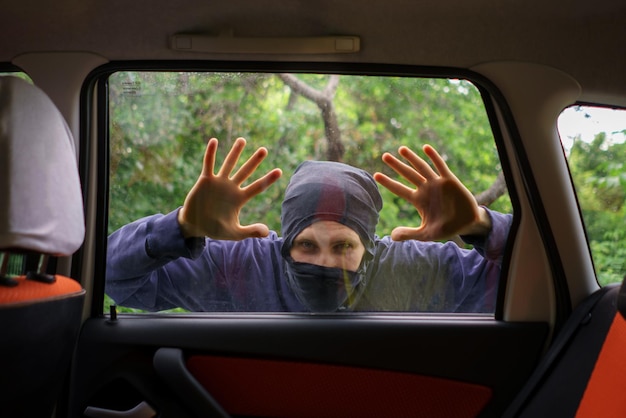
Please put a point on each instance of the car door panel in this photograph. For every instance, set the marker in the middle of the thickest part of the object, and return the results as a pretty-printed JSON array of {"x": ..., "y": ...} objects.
[
  {"x": 246, "y": 364},
  {"x": 250, "y": 386}
]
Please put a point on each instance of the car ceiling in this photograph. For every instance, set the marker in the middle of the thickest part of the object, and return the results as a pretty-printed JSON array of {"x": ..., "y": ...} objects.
[{"x": 582, "y": 38}]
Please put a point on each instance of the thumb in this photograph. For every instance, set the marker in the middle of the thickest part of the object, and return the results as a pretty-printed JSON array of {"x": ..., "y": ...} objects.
[
  {"x": 254, "y": 231},
  {"x": 404, "y": 233}
]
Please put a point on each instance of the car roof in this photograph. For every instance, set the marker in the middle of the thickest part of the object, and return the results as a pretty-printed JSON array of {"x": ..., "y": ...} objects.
[{"x": 581, "y": 38}]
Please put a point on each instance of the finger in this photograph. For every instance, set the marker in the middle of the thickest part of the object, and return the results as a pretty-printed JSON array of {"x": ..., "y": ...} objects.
[
  {"x": 394, "y": 186},
  {"x": 249, "y": 166},
  {"x": 208, "y": 163},
  {"x": 418, "y": 163},
  {"x": 438, "y": 161},
  {"x": 260, "y": 185},
  {"x": 233, "y": 156},
  {"x": 404, "y": 170}
]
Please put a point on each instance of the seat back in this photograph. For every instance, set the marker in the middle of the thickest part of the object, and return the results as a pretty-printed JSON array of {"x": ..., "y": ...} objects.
[
  {"x": 41, "y": 216},
  {"x": 583, "y": 374},
  {"x": 604, "y": 392}
]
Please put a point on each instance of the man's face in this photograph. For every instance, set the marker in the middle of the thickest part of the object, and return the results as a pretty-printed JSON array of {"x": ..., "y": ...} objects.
[{"x": 328, "y": 244}]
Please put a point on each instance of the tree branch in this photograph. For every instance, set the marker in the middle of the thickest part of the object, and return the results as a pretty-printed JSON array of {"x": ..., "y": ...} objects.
[
  {"x": 497, "y": 189},
  {"x": 324, "y": 101}
]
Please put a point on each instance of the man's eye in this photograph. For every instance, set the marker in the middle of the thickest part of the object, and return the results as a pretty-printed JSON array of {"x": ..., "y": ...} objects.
[
  {"x": 306, "y": 245},
  {"x": 344, "y": 246}
]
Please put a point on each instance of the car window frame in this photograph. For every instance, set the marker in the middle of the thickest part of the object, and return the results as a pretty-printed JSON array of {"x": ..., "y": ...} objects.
[{"x": 94, "y": 116}]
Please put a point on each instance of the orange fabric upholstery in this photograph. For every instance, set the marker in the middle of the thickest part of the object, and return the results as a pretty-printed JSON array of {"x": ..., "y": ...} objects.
[
  {"x": 583, "y": 373},
  {"x": 259, "y": 387},
  {"x": 30, "y": 291},
  {"x": 604, "y": 395}
]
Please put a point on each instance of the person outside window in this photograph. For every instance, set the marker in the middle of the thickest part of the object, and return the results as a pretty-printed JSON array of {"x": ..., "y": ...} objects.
[{"x": 328, "y": 257}]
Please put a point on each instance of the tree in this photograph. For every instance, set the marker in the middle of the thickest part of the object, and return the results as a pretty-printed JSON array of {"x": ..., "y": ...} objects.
[
  {"x": 324, "y": 100},
  {"x": 160, "y": 123},
  {"x": 599, "y": 173}
]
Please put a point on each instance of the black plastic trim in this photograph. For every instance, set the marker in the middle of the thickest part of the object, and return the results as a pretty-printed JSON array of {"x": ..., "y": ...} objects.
[{"x": 169, "y": 364}]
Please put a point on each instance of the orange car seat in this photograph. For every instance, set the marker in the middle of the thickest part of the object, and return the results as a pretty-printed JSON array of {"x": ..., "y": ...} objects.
[
  {"x": 41, "y": 217},
  {"x": 583, "y": 373}
]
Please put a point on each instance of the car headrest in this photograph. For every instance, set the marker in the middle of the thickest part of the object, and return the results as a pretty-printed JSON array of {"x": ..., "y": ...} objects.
[{"x": 41, "y": 205}]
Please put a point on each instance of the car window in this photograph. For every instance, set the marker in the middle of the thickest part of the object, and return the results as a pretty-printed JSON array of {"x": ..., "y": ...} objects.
[
  {"x": 159, "y": 126},
  {"x": 594, "y": 141}
]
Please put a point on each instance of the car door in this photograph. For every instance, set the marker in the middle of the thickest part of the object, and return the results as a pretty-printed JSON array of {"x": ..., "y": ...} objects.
[{"x": 373, "y": 363}]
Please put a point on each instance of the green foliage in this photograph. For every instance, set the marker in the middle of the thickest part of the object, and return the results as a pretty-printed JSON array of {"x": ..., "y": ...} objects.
[
  {"x": 18, "y": 74},
  {"x": 599, "y": 173},
  {"x": 160, "y": 123}
]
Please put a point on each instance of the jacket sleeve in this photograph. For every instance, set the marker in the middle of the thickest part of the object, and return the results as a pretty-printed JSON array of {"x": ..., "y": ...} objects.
[
  {"x": 492, "y": 246},
  {"x": 137, "y": 271},
  {"x": 475, "y": 289},
  {"x": 440, "y": 277}
]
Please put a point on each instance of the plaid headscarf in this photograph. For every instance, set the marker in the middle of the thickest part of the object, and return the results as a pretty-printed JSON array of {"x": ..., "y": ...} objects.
[{"x": 330, "y": 191}]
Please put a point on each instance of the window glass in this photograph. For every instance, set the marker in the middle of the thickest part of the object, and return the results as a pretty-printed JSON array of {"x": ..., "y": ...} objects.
[
  {"x": 593, "y": 140},
  {"x": 159, "y": 126}
]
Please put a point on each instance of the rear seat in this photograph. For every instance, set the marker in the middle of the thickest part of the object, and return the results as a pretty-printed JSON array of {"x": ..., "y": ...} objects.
[{"x": 584, "y": 372}]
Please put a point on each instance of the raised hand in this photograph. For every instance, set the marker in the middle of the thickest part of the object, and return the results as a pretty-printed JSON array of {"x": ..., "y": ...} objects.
[
  {"x": 446, "y": 206},
  {"x": 213, "y": 204}
]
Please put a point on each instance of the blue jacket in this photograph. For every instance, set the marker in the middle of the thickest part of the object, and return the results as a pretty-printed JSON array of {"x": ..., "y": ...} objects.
[{"x": 151, "y": 266}]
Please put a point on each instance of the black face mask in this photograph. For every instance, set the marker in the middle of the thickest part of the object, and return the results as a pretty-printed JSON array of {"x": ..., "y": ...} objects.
[{"x": 325, "y": 289}]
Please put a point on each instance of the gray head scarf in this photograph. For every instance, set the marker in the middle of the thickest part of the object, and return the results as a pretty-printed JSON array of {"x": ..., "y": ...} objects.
[{"x": 330, "y": 191}]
